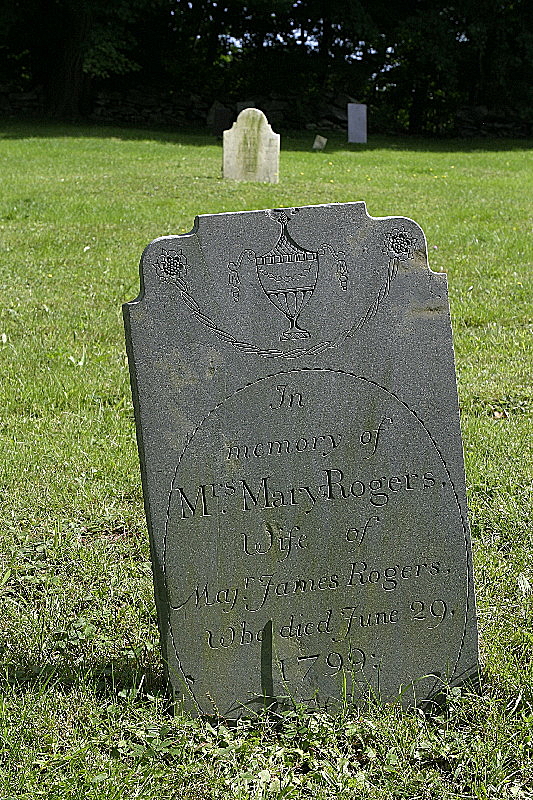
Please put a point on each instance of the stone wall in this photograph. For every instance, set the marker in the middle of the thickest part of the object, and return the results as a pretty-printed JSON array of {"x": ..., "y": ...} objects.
[{"x": 145, "y": 106}]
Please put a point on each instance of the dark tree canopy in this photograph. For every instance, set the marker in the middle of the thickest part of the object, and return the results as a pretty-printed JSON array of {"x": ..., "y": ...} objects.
[{"x": 416, "y": 62}]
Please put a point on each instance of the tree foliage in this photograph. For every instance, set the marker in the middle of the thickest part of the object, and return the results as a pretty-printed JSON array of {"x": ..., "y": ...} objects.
[{"x": 415, "y": 61}]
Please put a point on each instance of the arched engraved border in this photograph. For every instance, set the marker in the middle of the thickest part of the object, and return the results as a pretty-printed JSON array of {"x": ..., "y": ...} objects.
[
  {"x": 357, "y": 377},
  {"x": 247, "y": 347}
]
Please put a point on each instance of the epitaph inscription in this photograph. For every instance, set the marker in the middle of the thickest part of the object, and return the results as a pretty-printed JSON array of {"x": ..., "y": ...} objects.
[{"x": 307, "y": 516}]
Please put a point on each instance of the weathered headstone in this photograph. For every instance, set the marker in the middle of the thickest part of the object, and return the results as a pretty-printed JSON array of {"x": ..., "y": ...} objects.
[
  {"x": 242, "y": 104},
  {"x": 219, "y": 118},
  {"x": 320, "y": 142},
  {"x": 357, "y": 123},
  {"x": 251, "y": 149},
  {"x": 298, "y": 428}
]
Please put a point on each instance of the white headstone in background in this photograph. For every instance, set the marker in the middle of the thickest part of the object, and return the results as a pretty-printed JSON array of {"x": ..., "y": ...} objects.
[
  {"x": 357, "y": 123},
  {"x": 251, "y": 149}
]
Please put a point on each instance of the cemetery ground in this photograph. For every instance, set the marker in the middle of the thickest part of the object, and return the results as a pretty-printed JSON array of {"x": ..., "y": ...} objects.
[{"x": 83, "y": 712}]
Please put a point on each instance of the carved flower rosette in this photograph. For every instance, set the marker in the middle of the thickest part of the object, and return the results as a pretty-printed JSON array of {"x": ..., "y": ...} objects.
[{"x": 399, "y": 244}]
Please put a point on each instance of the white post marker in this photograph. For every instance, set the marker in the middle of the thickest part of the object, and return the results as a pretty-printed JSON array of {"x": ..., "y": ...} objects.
[{"x": 357, "y": 123}]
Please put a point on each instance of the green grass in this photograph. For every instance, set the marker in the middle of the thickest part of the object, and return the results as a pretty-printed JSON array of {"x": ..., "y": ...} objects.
[{"x": 82, "y": 709}]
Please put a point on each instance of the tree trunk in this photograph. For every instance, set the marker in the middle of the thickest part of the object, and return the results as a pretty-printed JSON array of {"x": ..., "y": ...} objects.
[
  {"x": 65, "y": 79},
  {"x": 417, "y": 110}
]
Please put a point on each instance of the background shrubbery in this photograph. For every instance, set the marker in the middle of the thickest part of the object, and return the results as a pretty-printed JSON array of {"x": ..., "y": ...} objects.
[{"x": 422, "y": 66}]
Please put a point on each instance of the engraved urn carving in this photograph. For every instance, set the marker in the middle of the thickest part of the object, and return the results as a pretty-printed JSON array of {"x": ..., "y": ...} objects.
[{"x": 288, "y": 274}]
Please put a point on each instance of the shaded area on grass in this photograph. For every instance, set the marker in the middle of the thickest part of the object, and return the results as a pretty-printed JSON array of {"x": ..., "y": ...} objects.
[{"x": 296, "y": 141}]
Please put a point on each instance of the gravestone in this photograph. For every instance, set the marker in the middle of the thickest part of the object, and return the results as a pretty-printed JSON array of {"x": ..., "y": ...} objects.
[
  {"x": 357, "y": 123},
  {"x": 251, "y": 149},
  {"x": 298, "y": 428},
  {"x": 219, "y": 118},
  {"x": 320, "y": 143},
  {"x": 242, "y": 104}
]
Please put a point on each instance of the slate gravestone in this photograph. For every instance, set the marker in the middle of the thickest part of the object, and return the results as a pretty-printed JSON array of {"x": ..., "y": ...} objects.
[
  {"x": 242, "y": 104},
  {"x": 219, "y": 118},
  {"x": 251, "y": 149},
  {"x": 298, "y": 428},
  {"x": 357, "y": 123}
]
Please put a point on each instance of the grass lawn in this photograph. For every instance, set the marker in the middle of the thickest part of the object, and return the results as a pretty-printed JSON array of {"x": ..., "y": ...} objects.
[{"x": 83, "y": 713}]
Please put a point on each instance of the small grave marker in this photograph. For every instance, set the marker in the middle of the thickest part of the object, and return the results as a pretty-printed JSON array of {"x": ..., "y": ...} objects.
[
  {"x": 251, "y": 149},
  {"x": 357, "y": 123},
  {"x": 298, "y": 428},
  {"x": 320, "y": 142}
]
